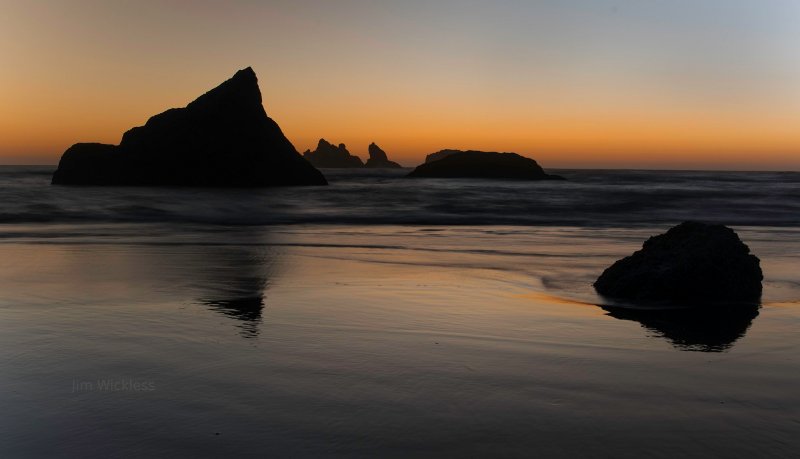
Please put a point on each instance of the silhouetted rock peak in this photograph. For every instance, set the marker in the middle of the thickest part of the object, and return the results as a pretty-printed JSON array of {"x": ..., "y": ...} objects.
[
  {"x": 692, "y": 262},
  {"x": 241, "y": 87},
  {"x": 328, "y": 155},
  {"x": 224, "y": 138},
  {"x": 482, "y": 164},
  {"x": 378, "y": 158},
  {"x": 376, "y": 153}
]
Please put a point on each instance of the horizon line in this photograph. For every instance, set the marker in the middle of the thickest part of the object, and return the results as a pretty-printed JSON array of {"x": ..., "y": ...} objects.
[{"x": 631, "y": 169}]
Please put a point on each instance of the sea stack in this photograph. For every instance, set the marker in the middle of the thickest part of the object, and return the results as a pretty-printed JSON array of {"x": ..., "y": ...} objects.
[
  {"x": 329, "y": 156},
  {"x": 692, "y": 263},
  {"x": 482, "y": 164},
  {"x": 378, "y": 158},
  {"x": 440, "y": 155},
  {"x": 222, "y": 139}
]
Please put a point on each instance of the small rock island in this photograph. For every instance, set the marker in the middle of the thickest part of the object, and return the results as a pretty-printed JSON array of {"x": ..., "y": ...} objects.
[
  {"x": 328, "y": 155},
  {"x": 379, "y": 160},
  {"x": 692, "y": 262},
  {"x": 222, "y": 139},
  {"x": 481, "y": 164}
]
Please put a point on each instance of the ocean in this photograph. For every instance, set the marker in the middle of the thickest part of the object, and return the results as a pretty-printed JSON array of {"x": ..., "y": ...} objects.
[
  {"x": 590, "y": 198},
  {"x": 384, "y": 316}
]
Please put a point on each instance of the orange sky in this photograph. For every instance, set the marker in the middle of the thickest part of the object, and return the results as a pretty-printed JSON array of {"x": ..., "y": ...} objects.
[{"x": 572, "y": 84}]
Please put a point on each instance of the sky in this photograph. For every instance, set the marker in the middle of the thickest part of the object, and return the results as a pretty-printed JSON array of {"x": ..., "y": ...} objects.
[{"x": 707, "y": 84}]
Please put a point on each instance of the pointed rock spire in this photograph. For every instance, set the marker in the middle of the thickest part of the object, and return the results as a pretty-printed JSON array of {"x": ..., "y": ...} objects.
[
  {"x": 224, "y": 138},
  {"x": 378, "y": 158}
]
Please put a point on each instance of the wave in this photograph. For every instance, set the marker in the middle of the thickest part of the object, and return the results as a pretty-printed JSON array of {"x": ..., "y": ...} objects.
[{"x": 588, "y": 198}]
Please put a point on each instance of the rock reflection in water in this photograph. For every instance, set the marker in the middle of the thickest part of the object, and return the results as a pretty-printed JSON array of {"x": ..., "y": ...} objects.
[
  {"x": 234, "y": 284},
  {"x": 693, "y": 329},
  {"x": 248, "y": 310}
]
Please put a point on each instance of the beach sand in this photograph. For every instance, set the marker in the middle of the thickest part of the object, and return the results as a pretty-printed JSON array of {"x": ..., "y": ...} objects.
[{"x": 376, "y": 341}]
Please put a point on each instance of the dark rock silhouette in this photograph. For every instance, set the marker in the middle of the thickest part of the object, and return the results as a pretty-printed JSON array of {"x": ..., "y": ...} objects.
[
  {"x": 481, "y": 164},
  {"x": 378, "y": 158},
  {"x": 693, "y": 329},
  {"x": 222, "y": 139},
  {"x": 440, "y": 155},
  {"x": 689, "y": 263},
  {"x": 328, "y": 155}
]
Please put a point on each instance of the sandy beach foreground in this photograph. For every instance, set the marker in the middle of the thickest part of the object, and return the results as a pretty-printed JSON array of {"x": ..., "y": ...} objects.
[{"x": 375, "y": 340}]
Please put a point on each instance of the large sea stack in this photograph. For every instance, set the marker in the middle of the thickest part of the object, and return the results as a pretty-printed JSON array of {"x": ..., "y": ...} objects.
[
  {"x": 378, "y": 159},
  {"x": 482, "y": 164},
  {"x": 692, "y": 263},
  {"x": 222, "y": 139},
  {"x": 329, "y": 155}
]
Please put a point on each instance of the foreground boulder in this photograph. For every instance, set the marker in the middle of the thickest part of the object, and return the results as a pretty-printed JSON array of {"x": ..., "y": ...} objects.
[
  {"x": 482, "y": 164},
  {"x": 692, "y": 262},
  {"x": 378, "y": 158},
  {"x": 222, "y": 139}
]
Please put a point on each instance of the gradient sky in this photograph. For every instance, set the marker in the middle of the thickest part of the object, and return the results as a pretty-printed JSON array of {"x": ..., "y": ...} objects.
[{"x": 571, "y": 83}]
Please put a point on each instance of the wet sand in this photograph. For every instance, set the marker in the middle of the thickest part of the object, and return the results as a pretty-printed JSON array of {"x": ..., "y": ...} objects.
[{"x": 305, "y": 340}]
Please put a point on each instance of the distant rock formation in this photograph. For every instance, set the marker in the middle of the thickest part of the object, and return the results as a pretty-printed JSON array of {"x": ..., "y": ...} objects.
[
  {"x": 378, "y": 158},
  {"x": 692, "y": 262},
  {"x": 482, "y": 164},
  {"x": 439, "y": 155},
  {"x": 328, "y": 155},
  {"x": 222, "y": 139}
]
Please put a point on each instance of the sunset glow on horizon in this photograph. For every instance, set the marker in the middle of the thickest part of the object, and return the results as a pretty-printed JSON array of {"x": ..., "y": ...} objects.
[{"x": 579, "y": 83}]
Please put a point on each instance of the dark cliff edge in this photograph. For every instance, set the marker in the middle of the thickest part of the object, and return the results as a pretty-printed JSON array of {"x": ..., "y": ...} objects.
[{"x": 222, "y": 139}]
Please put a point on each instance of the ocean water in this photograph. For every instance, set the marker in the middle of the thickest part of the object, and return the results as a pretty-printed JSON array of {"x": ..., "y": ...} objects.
[
  {"x": 386, "y": 317},
  {"x": 381, "y": 197}
]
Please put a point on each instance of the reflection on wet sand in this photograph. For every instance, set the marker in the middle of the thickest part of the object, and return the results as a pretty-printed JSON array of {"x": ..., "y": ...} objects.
[
  {"x": 233, "y": 282},
  {"x": 693, "y": 329},
  {"x": 248, "y": 310}
]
